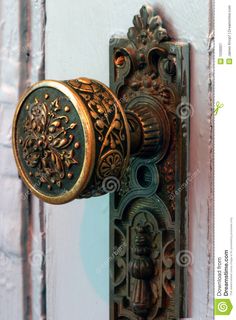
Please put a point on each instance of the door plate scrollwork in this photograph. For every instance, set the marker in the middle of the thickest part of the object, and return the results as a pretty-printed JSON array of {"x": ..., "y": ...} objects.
[{"x": 149, "y": 213}]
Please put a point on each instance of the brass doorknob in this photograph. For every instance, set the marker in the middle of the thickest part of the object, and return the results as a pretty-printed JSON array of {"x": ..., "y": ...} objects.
[{"x": 69, "y": 136}]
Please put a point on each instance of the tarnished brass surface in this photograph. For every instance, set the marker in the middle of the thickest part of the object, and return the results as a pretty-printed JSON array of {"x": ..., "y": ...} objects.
[
  {"x": 73, "y": 139},
  {"x": 68, "y": 137},
  {"x": 149, "y": 73}
]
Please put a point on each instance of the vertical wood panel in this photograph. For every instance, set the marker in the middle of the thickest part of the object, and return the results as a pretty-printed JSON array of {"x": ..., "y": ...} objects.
[
  {"x": 21, "y": 61},
  {"x": 11, "y": 271}
]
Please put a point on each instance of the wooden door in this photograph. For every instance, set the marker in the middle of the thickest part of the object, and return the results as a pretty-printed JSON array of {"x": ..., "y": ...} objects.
[{"x": 59, "y": 255}]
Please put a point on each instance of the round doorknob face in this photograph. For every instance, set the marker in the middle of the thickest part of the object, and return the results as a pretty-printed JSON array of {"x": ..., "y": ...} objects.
[{"x": 68, "y": 137}]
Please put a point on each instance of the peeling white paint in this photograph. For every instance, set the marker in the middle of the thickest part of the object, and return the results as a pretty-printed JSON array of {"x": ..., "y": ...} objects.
[
  {"x": 11, "y": 282},
  {"x": 13, "y": 278}
]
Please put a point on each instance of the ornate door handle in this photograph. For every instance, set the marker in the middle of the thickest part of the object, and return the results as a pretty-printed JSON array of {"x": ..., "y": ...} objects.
[
  {"x": 77, "y": 138},
  {"x": 72, "y": 138}
]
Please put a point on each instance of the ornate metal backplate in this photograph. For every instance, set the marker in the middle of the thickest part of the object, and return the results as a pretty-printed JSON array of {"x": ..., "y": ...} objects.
[{"x": 149, "y": 212}]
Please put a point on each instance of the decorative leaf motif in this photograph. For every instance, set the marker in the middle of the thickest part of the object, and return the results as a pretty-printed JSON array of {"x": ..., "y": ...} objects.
[
  {"x": 56, "y": 123},
  {"x": 138, "y": 22},
  {"x": 46, "y": 142},
  {"x": 132, "y": 34},
  {"x": 73, "y": 125},
  {"x": 155, "y": 22},
  {"x": 147, "y": 28},
  {"x": 94, "y": 114},
  {"x": 69, "y": 159},
  {"x": 144, "y": 16}
]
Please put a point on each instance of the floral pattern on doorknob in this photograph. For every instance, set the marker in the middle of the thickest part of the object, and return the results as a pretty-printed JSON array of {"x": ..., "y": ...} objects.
[
  {"x": 47, "y": 141},
  {"x": 110, "y": 165},
  {"x": 109, "y": 128}
]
